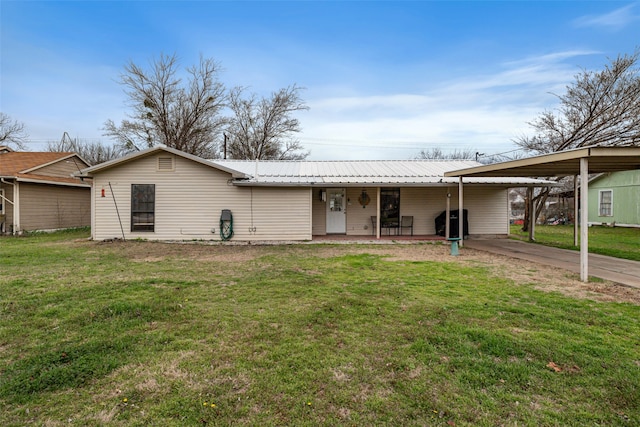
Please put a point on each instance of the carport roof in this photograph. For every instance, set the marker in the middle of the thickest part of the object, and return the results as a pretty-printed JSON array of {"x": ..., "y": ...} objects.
[{"x": 564, "y": 163}]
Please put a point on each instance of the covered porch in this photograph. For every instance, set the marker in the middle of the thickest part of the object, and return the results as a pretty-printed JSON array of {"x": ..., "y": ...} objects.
[{"x": 343, "y": 238}]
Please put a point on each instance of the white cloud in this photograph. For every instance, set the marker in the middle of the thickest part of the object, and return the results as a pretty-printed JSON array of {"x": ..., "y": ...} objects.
[
  {"x": 483, "y": 112},
  {"x": 615, "y": 20}
]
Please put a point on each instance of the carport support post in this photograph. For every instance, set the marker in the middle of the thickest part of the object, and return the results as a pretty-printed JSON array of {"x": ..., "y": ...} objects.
[
  {"x": 460, "y": 213},
  {"x": 584, "y": 226},
  {"x": 576, "y": 209},
  {"x": 532, "y": 215}
]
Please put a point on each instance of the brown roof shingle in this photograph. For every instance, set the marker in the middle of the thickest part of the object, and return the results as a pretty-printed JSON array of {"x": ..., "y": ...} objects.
[{"x": 15, "y": 164}]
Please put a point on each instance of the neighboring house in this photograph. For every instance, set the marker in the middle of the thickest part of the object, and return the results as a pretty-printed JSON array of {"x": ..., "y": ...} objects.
[
  {"x": 39, "y": 192},
  {"x": 164, "y": 194},
  {"x": 614, "y": 199}
]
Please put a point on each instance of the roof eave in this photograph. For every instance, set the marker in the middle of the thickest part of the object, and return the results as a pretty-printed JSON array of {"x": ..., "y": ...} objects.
[
  {"x": 149, "y": 151},
  {"x": 47, "y": 182}
]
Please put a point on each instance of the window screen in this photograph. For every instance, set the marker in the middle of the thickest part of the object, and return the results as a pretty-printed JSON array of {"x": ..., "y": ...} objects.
[{"x": 143, "y": 197}]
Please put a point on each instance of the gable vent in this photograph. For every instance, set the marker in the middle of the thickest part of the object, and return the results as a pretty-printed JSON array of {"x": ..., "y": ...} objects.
[{"x": 166, "y": 164}]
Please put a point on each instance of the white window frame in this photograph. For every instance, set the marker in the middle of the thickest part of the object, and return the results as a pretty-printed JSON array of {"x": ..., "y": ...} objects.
[{"x": 601, "y": 211}]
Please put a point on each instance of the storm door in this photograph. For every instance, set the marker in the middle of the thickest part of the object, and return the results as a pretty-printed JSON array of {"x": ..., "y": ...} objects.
[{"x": 336, "y": 211}]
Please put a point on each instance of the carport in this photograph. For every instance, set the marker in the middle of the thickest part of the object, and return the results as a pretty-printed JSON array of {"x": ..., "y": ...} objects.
[{"x": 578, "y": 163}]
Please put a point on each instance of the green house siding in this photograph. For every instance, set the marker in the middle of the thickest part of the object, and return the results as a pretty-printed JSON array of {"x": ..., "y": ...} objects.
[{"x": 625, "y": 189}]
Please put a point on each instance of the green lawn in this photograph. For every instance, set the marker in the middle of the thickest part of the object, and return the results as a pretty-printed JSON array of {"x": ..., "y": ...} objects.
[
  {"x": 618, "y": 242},
  {"x": 142, "y": 333}
]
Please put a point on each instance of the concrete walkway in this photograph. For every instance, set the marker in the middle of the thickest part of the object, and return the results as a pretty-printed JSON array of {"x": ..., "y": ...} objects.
[{"x": 616, "y": 270}]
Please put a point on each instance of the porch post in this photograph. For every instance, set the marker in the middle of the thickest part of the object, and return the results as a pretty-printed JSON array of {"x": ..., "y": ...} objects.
[
  {"x": 460, "y": 213},
  {"x": 447, "y": 227},
  {"x": 584, "y": 217},
  {"x": 378, "y": 203}
]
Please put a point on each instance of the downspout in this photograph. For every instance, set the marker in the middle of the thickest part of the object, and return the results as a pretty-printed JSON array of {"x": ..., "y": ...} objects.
[{"x": 461, "y": 212}]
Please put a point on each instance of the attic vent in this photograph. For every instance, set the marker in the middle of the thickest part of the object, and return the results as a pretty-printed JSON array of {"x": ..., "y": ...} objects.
[{"x": 165, "y": 164}]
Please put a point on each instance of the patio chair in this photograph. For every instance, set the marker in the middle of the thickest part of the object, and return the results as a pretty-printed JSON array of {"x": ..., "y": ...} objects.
[
  {"x": 406, "y": 222},
  {"x": 373, "y": 225}
]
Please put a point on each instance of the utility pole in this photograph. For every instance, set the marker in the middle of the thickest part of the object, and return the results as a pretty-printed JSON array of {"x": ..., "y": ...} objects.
[{"x": 225, "y": 146}]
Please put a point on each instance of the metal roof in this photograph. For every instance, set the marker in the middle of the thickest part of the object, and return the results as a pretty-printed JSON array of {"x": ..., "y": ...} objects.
[
  {"x": 374, "y": 173},
  {"x": 361, "y": 172}
]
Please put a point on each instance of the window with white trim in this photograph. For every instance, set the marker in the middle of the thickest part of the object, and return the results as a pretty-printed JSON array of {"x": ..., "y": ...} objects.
[{"x": 605, "y": 203}]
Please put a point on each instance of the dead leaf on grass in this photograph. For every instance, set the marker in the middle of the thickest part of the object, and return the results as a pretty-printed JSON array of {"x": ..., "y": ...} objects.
[{"x": 553, "y": 366}]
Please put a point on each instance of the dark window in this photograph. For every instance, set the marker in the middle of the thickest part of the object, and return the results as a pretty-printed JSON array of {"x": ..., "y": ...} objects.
[
  {"x": 143, "y": 197},
  {"x": 390, "y": 207}
]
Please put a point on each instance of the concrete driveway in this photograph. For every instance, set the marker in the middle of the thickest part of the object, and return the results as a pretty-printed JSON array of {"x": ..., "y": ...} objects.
[{"x": 616, "y": 270}]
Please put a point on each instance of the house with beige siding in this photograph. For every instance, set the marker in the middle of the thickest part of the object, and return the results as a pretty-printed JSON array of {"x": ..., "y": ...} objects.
[
  {"x": 39, "y": 192},
  {"x": 164, "y": 194}
]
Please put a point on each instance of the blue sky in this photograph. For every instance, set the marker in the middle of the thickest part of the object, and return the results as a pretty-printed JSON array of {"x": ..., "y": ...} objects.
[{"x": 383, "y": 79}]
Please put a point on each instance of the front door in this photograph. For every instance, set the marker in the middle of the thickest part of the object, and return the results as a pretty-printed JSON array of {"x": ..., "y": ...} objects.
[{"x": 336, "y": 211}]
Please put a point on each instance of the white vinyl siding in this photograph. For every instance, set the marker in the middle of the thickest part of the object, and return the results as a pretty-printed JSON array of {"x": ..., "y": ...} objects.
[
  {"x": 189, "y": 201},
  {"x": 319, "y": 212},
  {"x": 488, "y": 210},
  {"x": 359, "y": 218}
]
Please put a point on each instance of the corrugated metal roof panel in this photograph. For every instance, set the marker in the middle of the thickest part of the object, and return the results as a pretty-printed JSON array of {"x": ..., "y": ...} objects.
[
  {"x": 373, "y": 172},
  {"x": 361, "y": 168}
]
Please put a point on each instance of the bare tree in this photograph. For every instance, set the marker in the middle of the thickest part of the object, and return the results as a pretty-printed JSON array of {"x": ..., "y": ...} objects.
[
  {"x": 92, "y": 152},
  {"x": 436, "y": 153},
  {"x": 12, "y": 132},
  {"x": 601, "y": 108},
  {"x": 166, "y": 111},
  {"x": 264, "y": 128}
]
